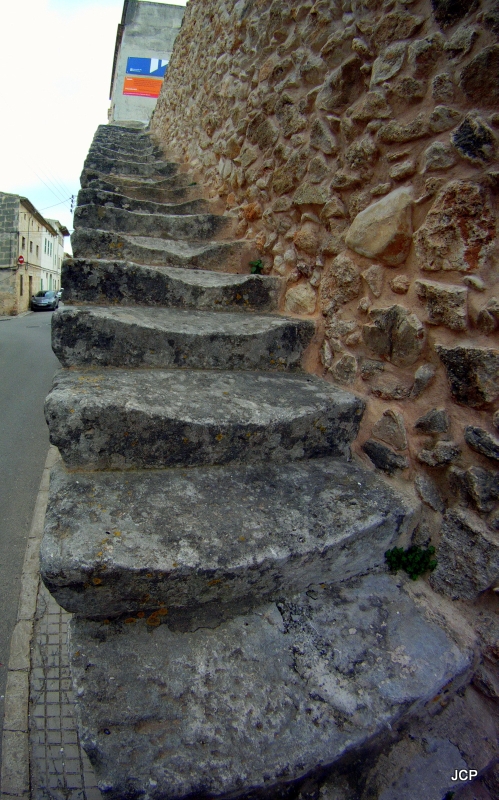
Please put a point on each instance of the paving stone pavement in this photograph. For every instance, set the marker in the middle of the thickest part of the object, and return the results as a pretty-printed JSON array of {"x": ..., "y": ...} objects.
[{"x": 60, "y": 769}]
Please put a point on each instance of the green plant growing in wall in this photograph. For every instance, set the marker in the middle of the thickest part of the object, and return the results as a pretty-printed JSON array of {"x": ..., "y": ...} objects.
[
  {"x": 256, "y": 267},
  {"x": 415, "y": 560}
]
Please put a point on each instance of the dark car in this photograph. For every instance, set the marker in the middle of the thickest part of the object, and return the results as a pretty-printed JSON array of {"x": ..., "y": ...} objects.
[{"x": 43, "y": 300}]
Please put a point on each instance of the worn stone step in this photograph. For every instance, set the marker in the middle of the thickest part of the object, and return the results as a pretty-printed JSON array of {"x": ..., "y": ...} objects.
[
  {"x": 122, "y": 166},
  {"x": 260, "y": 701},
  {"x": 229, "y": 256},
  {"x": 127, "y": 136},
  {"x": 152, "y": 418},
  {"x": 176, "y": 189},
  {"x": 94, "y": 281},
  {"x": 169, "y": 337},
  {"x": 289, "y": 526},
  {"x": 146, "y": 154},
  {"x": 187, "y": 227},
  {"x": 115, "y": 200}
]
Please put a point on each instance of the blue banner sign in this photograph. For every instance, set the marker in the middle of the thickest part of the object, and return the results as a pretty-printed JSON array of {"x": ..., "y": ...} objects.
[{"x": 152, "y": 67}]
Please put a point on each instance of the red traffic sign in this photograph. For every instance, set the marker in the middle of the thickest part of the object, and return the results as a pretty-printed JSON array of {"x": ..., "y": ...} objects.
[{"x": 20, "y": 260}]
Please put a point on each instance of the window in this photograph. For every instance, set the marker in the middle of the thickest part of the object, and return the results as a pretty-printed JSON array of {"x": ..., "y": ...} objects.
[
  {"x": 24, "y": 243},
  {"x": 31, "y": 247},
  {"x": 37, "y": 251},
  {"x": 20, "y": 285}
]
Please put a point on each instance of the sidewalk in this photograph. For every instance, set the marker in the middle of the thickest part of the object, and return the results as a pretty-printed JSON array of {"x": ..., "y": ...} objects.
[{"x": 42, "y": 758}]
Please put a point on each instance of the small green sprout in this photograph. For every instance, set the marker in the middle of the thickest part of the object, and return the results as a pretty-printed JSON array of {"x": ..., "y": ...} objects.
[
  {"x": 256, "y": 267},
  {"x": 415, "y": 561}
]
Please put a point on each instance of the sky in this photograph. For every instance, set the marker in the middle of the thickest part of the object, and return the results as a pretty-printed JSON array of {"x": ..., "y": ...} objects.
[{"x": 56, "y": 57}]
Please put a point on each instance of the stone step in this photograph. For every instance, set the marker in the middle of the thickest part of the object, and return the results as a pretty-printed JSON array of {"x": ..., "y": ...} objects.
[
  {"x": 178, "y": 188},
  {"x": 146, "y": 154},
  {"x": 229, "y": 256},
  {"x": 152, "y": 418},
  {"x": 94, "y": 281},
  {"x": 121, "y": 166},
  {"x": 130, "y": 138},
  {"x": 259, "y": 702},
  {"x": 187, "y": 227},
  {"x": 168, "y": 337},
  {"x": 115, "y": 200},
  {"x": 290, "y": 526}
]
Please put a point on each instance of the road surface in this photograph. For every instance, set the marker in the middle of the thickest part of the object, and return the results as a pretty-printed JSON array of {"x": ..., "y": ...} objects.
[{"x": 27, "y": 366}]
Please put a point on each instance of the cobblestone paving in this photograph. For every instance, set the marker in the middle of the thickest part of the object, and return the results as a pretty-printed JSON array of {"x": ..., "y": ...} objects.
[{"x": 60, "y": 769}]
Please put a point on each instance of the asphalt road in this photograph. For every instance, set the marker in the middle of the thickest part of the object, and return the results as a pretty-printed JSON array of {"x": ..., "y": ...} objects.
[{"x": 27, "y": 366}]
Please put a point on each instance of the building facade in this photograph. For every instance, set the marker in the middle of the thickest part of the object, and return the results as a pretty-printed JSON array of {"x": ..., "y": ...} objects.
[
  {"x": 31, "y": 253},
  {"x": 144, "y": 43}
]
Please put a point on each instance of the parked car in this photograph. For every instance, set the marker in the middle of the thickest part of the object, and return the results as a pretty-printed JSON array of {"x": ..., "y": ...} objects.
[
  {"x": 59, "y": 294},
  {"x": 46, "y": 299}
]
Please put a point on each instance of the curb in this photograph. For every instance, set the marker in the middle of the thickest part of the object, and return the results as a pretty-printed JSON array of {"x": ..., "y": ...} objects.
[{"x": 15, "y": 772}]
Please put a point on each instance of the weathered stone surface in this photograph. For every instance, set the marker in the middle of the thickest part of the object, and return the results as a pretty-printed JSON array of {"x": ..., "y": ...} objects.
[
  {"x": 308, "y": 193},
  {"x": 345, "y": 370},
  {"x": 114, "y": 200},
  {"x": 321, "y": 138},
  {"x": 482, "y": 441},
  {"x": 461, "y": 42},
  {"x": 473, "y": 373},
  {"x": 448, "y": 12},
  {"x": 395, "y": 26},
  {"x": 372, "y": 105},
  {"x": 435, "y": 421},
  {"x": 362, "y": 153},
  {"x": 289, "y": 657},
  {"x": 428, "y": 492},
  {"x": 488, "y": 317},
  {"x": 122, "y": 419},
  {"x": 474, "y": 140},
  {"x": 165, "y": 338},
  {"x": 290, "y": 526},
  {"x": 384, "y": 229},
  {"x": 400, "y": 284},
  {"x": 340, "y": 283},
  {"x": 88, "y": 243},
  {"x": 263, "y": 132},
  {"x": 288, "y": 176},
  {"x": 374, "y": 276},
  {"x": 103, "y": 282},
  {"x": 442, "y": 453},
  {"x": 395, "y": 334},
  {"x": 290, "y": 119},
  {"x": 438, "y": 156},
  {"x": 468, "y": 557},
  {"x": 397, "y": 132},
  {"x": 482, "y": 486},
  {"x": 425, "y": 374},
  {"x": 388, "y": 64},
  {"x": 443, "y": 118},
  {"x": 410, "y": 90},
  {"x": 480, "y": 78},
  {"x": 118, "y": 166},
  {"x": 390, "y": 428},
  {"x": 446, "y": 304},
  {"x": 192, "y": 227},
  {"x": 424, "y": 54},
  {"x": 343, "y": 86},
  {"x": 300, "y": 299},
  {"x": 405, "y": 169},
  {"x": 443, "y": 89},
  {"x": 459, "y": 230},
  {"x": 383, "y": 457}
]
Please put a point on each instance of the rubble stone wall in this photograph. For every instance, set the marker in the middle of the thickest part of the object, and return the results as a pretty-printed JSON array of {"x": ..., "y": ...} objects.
[{"x": 357, "y": 143}]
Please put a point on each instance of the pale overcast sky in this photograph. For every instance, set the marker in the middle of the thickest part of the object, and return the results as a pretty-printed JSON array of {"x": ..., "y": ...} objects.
[{"x": 56, "y": 59}]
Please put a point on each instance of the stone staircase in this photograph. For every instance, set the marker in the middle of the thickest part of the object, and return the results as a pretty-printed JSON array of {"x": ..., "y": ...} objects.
[{"x": 235, "y": 629}]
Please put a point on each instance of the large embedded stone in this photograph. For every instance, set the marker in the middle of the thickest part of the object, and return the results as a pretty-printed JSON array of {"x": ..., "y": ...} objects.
[
  {"x": 467, "y": 557},
  {"x": 435, "y": 421},
  {"x": 340, "y": 282},
  {"x": 390, "y": 428},
  {"x": 459, "y": 230},
  {"x": 395, "y": 334},
  {"x": 480, "y": 78},
  {"x": 322, "y": 139},
  {"x": 448, "y": 12},
  {"x": 260, "y": 700},
  {"x": 424, "y": 54},
  {"x": 472, "y": 372},
  {"x": 309, "y": 193},
  {"x": 384, "y": 229},
  {"x": 398, "y": 132},
  {"x": 482, "y": 441},
  {"x": 300, "y": 299},
  {"x": 428, "y": 491},
  {"x": 396, "y": 25},
  {"x": 383, "y": 457},
  {"x": 343, "y": 86},
  {"x": 168, "y": 337},
  {"x": 387, "y": 65},
  {"x": 289, "y": 526},
  {"x": 130, "y": 419},
  {"x": 445, "y": 303},
  {"x": 441, "y": 454},
  {"x": 474, "y": 140},
  {"x": 482, "y": 486},
  {"x": 438, "y": 156},
  {"x": 129, "y": 284}
]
